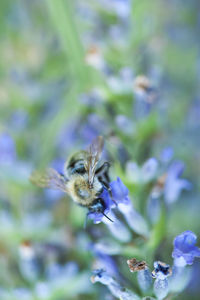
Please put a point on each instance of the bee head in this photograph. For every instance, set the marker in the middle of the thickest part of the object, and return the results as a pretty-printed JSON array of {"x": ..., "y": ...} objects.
[{"x": 99, "y": 207}]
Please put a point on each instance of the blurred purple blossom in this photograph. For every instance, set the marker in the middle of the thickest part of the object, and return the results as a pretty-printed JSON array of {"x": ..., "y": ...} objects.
[
  {"x": 125, "y": 124},
  {"x": 106, "y": 262},
  {"x": 21, "y": 293},
  {"x": 119, "y": 191},
  {"x": 180, "y": 279},
  {"x": 115, "y": 288},
  {"x": 153, "y": 208},
  {"x": 42, "y": 290},
  {"x": 28, "y": 262},
  {"x": 127, "y": 75},
  {"x": 166, "y": 155},
  {"x": 174, "y": 185},
  {"x": 121, "y": 7},
  {"x": 142, "y": 174},
  {"x": 133, "y": 171},
  {"x": 58, "y": 164},
  {"x": 161, "y": 288},
  {"x": 107, "y": 246},
  {"x": 134, "y": 219},
  {"x": 36, "y": 221},
  {"x": 7, "y": 149},
  {"x": 117, "y": 228},
  {"x": 91, "y": 99},
  {"x": 19, "y": 119},
  {"x": 57, "y": 272},
  {"x": 93, "y": 127},
  {"x": 184, "y": 249},
  {"x": 68, "y": 136},
  {"x": 141, "y": 108},
  {"x": 144, "y": 279},
  {"x": 149, "y": 168}
]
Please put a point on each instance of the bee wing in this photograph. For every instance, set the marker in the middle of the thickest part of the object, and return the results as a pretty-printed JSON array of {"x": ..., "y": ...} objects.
[
  {"x": 49, "y": 178},
  {"x": 94, "y": 154}
]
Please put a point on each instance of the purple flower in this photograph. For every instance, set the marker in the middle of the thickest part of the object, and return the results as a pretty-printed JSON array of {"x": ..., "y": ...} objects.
[
  {"x": 97, "y": 216},
  {"x": 133, "y": 218},
  {"x": 7, "y": 148},
  {"x": 91, "y": 99},
  {"x": 18, "y": 120},
  {"x": 180, "y": 278},
  {"x": 161, "y": 288},
  {"x": 161, "y": 270},
  {"x": 21, "y": 293},
  {"x": 122, "y": 8},
  {"x": 115, "y": 288},
  {"x": 153, "y": 208},
  {"x": 166, "y": 154},
  {"x": 93, "y": 127},
  {"x": 117, "y": 228},
  {"x": 142, "y": 174},
  {"x": 184, "y": 249},
  {"x": 119, "y": 191},
  {"x": 124, "y": 124},
  {"x": 58, "y": 165},
  {"x": 149, "y": 169},
  {"x": 174, "y": 185},
  {"x": 106, "y": 262},
  {"x": 107, "y": 246},
  {"x": 144, "y": 279},
  {"x": 67, "y": 137},
  {"x": 56, "y": 272}
]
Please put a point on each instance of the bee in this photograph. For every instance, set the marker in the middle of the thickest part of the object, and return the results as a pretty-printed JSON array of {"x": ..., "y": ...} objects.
[{"x": 83, "y": 178}]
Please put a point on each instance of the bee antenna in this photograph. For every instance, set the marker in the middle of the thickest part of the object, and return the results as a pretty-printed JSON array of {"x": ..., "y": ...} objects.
[{"x": 107, "y": 217}]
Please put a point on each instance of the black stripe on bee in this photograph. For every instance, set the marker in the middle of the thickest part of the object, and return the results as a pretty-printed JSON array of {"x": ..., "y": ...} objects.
[{"x": 77, "y": 166}]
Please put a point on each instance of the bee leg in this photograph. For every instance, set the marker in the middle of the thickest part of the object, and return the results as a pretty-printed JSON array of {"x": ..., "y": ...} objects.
[
  {"x": 103, "y": 170},
  {"x": 107, "y": 187},
  {"x": 105, "y": 184}
]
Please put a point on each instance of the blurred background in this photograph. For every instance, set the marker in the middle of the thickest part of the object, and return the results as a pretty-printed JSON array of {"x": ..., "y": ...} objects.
[{"x": 72, "y": 70}]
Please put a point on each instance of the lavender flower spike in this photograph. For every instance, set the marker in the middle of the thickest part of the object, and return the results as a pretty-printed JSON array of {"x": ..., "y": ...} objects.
[
  {"x": 161, "y": 288},
  {"x": 174, "y": 185},
  {"x": 117, "y": 228},
  {"x": 115, "y": 288},
  {"x": 184, "y": 249},
  {"x": 133, "y": 218},
  {"x": 144, "y": 279},
  {"x": 161, "y": 272}
]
